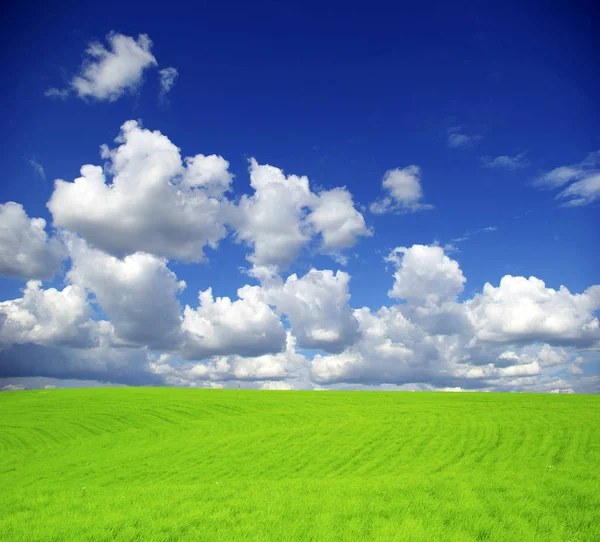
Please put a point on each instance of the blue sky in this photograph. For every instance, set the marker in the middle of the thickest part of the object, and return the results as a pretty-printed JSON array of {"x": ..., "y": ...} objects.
[{"x": 341, "y": 94}]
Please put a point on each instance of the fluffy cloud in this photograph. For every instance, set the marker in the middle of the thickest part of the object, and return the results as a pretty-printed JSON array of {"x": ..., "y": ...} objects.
[
  {"x": 154, "y": 203},
  {"x": 283, "y": 215},
  {"x": 47, "y": 317},
  {"x": 512, "y": 163},
  {"x": 138, "y": 293},
  {"x": 511, "y": 337},
  {"x": 404, "y": 192},
  {"x": 270, "y": 367},
  {"x": 425, "y": 274},
  {"x": 317, "y": 308},
  {"x": 247, "y": 327},
  {"x": 521, "y": 309},
  {"x": 583, "y": 182},
  {"x": 26, "y": 252},
  {"x": 458, "y": 140},
  {"x": 107, "y": 74}
]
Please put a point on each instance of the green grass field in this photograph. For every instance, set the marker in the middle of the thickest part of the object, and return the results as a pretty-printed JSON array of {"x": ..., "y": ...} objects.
[{"x": 182, "y": 464}]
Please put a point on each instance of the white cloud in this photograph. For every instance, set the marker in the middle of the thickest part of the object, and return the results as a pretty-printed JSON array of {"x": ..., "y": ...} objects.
[
  {"x": 583, "y": 180},
  {"x": 276, "y": 385},
  {"x": 167, "y": 80},
  {"x": 425, "y": 274},
  {"x": 404, "y": 192},
  {"x": 138, "y": 293},
  {"x": 581, "y": 192},
  {"x": 107, "y": 74},
  {"x": 521, "y": 309},
  {"x": 336, "y": 219},
  {"x": 518, "y": 161},
  {"x": 26, "y": 252},
  {"x": 283, "y": 215},
  {"x": 47, "y": 317},
  {"x": 458, "y": 140},
  {"x": 154, "y": 203},
  {"x": 432, "y": 339},
  {"x": 247, "y": 327},
  {"x": 282, "y": 365},
  {"x": 317, "y": 308}
]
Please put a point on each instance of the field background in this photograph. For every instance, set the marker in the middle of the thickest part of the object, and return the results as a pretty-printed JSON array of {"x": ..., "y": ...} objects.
[{"x": 182, "y": 464}]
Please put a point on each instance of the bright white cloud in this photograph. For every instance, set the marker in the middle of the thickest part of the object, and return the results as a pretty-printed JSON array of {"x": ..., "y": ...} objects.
[
  {"x": 425, "y": 274},
  {"x": 26, "y": 251},
  {"x": 404, "y": 192},
  {"x": 512, "y": 163},
  {"x": 283, "y": 215},
  {"x": 247, "y": 327},
  {"x": 521, "y": 309},
  {"x": 47, "y": 317},
  {"x": 107, "y": 74},
  {"x": 154, "y": 203},
  {"x": 317, "y": 308}
]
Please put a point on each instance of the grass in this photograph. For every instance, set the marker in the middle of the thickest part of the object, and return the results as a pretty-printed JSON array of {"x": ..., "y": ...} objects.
[{"x": 180, "y": 464}]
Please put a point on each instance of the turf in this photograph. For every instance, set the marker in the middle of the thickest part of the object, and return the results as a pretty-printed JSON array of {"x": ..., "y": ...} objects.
[{"x": 180, "y": 464}]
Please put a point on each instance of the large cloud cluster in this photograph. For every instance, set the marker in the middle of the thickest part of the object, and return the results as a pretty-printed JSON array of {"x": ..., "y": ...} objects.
[{"x": 118, "y": 317}]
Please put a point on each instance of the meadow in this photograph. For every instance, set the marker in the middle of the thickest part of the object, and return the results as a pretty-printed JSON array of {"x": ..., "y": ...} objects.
[{"x": 182, "y": 464}]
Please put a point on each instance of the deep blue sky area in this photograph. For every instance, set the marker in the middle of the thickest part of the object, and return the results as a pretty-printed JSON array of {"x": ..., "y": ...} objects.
[{"x": 340, "y": 93}]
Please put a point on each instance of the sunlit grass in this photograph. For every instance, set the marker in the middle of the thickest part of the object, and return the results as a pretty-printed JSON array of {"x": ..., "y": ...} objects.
[{"x": 172, "y": 464}]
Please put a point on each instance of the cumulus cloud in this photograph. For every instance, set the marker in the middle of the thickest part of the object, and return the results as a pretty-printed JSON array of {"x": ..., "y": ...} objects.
[
  {"x": 138, "y": 293},
  {"x": 107, "y": 74},
  {"x": 425, "y": 274},
  {"x": 287, "y": 364},
  {"x": 512, "y": 343},
  {"x": 154, "y": 202},
  {"x": 48, "y": 317},
  {"x": 167, "y": 80},
  {"x": 317, "y": 306},
  {"x": 404, "y": 192},
  {"x": 512, "y": 163},
  {"x": 26, "y": 251},
  {"x": 459, "y": 140},
  {"x": 247, "y": 327},
  {"x": 583, "y": 182},
  {"x": 521, "y": 309},
  {"x": 283, "y": 216}
]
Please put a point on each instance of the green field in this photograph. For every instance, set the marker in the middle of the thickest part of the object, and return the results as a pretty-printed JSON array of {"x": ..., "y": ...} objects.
[{"x": 182, "y": 464}]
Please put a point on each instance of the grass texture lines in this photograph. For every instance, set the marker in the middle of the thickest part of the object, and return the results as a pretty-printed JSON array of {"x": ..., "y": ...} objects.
[{"x": 165, "y": 464}]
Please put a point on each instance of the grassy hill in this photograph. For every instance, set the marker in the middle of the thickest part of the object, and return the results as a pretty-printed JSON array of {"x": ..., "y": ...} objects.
[{"x": 181, "y": 464}]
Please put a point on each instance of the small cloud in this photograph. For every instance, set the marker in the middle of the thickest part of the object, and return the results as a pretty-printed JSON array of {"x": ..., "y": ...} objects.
[
  {"x": 583, "y": 181},
  {"x": 405, "y": 193},
  {"x": 458, "y": 140},
  {"x": 38, "y": 168},
  {"x": 60, "y": 94},
  {"x": 506, "y": 162},
  {"x": 167, "y": 80},
  {"x": 108, "y": 73}
]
